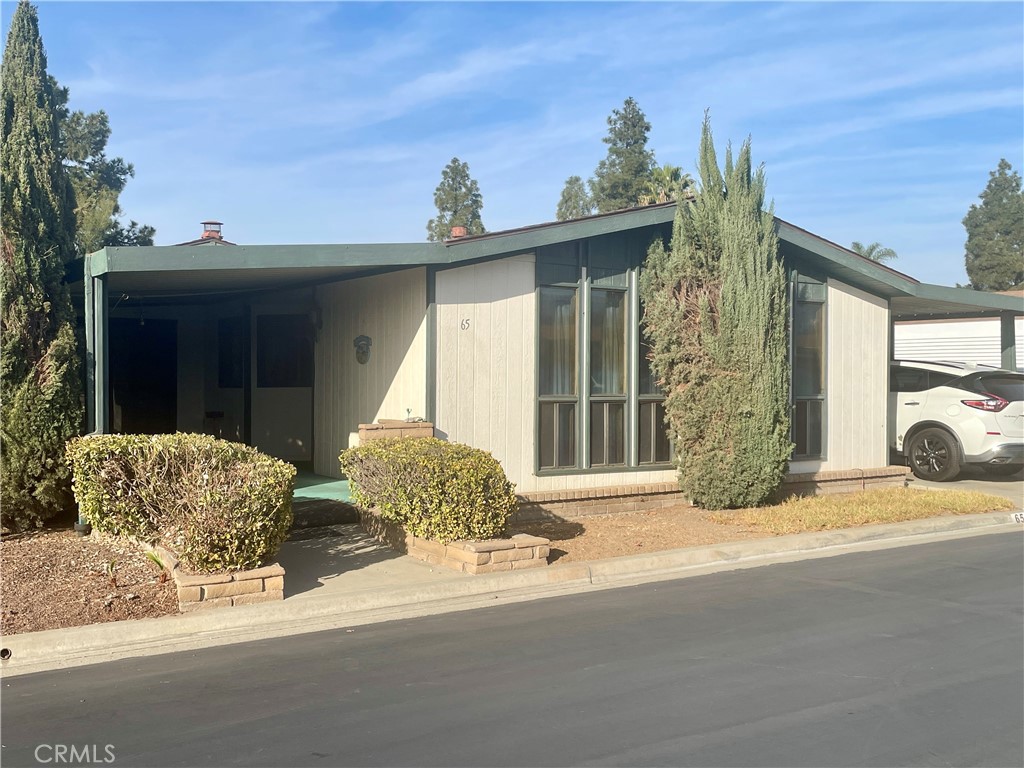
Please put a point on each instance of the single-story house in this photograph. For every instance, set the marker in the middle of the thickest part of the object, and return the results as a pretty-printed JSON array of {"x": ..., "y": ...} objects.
[{"x": 526, "y": 343}]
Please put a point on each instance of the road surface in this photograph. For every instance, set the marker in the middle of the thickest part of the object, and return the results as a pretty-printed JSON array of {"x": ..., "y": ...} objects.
[{"x": 907, "y": 656}]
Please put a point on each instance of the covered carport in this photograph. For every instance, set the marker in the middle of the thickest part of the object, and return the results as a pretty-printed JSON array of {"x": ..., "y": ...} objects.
[{"x": 140, "y": 301}]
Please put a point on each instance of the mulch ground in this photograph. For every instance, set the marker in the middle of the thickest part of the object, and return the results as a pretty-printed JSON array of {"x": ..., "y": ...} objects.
[{"x": 51, "y": 579}]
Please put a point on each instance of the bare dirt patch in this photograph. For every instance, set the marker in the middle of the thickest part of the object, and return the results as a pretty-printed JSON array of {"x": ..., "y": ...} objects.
[
  {"x": 596, "y": 537},
  {"x": 50, "y": 579}
]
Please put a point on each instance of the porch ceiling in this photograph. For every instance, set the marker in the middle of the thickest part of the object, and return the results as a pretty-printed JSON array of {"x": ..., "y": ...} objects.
[{"x": 933, "y": 302}]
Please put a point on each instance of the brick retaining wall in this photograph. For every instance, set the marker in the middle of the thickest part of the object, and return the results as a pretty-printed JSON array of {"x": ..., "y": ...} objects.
[
  {"x": 543, "y": 505},
  {"x": 214, "y": 590},
  {"x": 845, "y": 481},
  {"x": 516, "y": 553},
  {"x": 395, "y": 428}
]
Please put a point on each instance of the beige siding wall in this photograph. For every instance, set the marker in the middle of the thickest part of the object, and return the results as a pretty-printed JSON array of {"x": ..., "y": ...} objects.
[
  {"x": 486, "y": 385},
  {"x": 391, "y": 310},
  {"x": 857, "y": 344}
]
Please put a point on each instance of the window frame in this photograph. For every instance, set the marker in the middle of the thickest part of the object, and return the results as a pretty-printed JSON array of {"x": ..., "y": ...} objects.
[
  {"x": 584, "y": 398},
  {"x": 796, "y": 277}
]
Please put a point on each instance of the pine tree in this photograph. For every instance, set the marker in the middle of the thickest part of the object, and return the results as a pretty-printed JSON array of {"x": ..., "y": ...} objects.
[
  {"x": 626, "y": 173},
  {"x": 458, "y": 202},
  {"x": 716, "y": 313},
  {"x": 995, "y": 233},
  {"x": 39, "y": 367},
  {"x": 574, "y": 203},
  {"x": 97, "y": 180}
]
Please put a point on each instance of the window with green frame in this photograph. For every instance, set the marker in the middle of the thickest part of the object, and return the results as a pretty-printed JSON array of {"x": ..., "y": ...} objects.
[
  {"x": 598, "y": 404},
  {"x": 808, "y": 360}
]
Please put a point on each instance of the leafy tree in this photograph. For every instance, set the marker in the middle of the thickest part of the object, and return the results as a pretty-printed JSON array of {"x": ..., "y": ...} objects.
[
  {"x": 715, "y": 315},
  {"x": 995, "y": 233},
  {"x": 39, "y": 368},
  {"x": 668, "y": 182},
  {"x": 626, "y": 172},
  {"x": 574, "y": 203},
  {"x": 97, "y": 180},
  {"x": 875, "y": 251},
  {"x": 458, "y": 202}
]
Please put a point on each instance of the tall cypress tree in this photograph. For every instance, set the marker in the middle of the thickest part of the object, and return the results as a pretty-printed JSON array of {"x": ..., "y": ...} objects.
[
  {"x": 40, "y": 405},
  {"x": 716, "y": 316}
]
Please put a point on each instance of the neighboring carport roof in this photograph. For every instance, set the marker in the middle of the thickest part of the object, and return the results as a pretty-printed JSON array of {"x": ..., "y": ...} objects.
[{"x": 177, "y": 271}]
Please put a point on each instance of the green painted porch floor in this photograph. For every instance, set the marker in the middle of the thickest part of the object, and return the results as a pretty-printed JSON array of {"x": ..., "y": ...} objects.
[{"x": 312, "y": 486}]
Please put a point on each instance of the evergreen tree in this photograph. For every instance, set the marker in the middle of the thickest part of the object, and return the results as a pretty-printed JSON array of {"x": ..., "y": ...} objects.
[
  {"x": 715, "y": 315},
  {"x": 458, "y": 202},
  {"x": 995, "y": 233},
  {"x": 97, "y": 180},
  {"x": 39, "y": 369},
  {"x": 875, "y": 251},
  {"x": 574, "y": 203},
  {"x": 626, "y": 172}
]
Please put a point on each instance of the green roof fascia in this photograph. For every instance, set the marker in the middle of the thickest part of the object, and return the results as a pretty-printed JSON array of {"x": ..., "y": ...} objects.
[
  {"x": 980, "y": 300},
  {"x": 847, "y": 265},
  {"x": 844, "y": 264},
  {"x": 530, "y": 238},
  {"x": 172, "y": 258}
]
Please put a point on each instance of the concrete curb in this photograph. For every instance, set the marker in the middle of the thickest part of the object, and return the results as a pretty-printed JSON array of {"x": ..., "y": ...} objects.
[{"x": 96, "y": 643}]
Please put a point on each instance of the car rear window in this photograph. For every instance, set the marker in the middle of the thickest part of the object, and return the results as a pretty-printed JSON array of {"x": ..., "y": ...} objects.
[{"x": 1009, "y": 386}]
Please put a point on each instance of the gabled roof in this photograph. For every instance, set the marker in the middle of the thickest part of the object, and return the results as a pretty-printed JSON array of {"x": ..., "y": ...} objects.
[{"x": 175, "y": 270}]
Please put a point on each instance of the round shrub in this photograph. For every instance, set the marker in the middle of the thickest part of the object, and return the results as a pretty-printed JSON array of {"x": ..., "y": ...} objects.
[
  {"x": 434, "y": 489},
  {"x": 219, "y": 505}
]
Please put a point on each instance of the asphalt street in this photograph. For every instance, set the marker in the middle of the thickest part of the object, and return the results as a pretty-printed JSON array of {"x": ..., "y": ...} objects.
[{"x": 907, "y": 656}]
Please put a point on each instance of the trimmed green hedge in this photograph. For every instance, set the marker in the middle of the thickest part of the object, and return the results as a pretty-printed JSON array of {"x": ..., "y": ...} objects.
[
  {"x": 218, "y": 505},
  {"x": 434, "y": 489}
]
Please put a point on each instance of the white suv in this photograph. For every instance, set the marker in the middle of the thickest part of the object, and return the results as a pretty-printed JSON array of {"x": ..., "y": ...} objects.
[{"x": 945, "y": 415}]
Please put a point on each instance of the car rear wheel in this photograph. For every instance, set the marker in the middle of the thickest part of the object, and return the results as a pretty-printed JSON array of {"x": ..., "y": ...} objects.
[
  {"x": 934, "y": 455},
  {"x": 1002, "y": 470}
]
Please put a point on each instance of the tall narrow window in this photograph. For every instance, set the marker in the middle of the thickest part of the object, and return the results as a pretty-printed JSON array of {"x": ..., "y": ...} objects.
[
  {"x": 607, "y": 377},
  {"x": 557, "y": 369},
  {"x": 652, "y": 435},
  {"x": 808, "y": 384}
]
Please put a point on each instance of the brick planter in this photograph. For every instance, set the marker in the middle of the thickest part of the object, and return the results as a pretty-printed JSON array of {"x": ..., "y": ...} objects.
[
  {"x": 215, "y": 590},
  {"x": 845, "y": 481},
  {"x": 490, "y": 556},
  {"x": 562, "y": 505},
  {"x": 395, "y": 428}
]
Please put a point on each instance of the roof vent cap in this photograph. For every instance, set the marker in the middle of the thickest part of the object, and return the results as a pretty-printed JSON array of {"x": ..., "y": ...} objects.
[{"x": 211, "y": 230}]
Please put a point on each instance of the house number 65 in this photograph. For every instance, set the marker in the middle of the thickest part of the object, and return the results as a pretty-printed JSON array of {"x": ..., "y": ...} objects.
[{"x": 464, "y": 325}]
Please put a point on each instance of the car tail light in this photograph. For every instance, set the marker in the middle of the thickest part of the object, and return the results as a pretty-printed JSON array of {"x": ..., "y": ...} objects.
[{"x": 992, "y": 404}]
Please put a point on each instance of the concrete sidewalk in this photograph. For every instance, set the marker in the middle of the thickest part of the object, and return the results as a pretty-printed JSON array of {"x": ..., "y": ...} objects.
[{"x": 337, "y": 576}]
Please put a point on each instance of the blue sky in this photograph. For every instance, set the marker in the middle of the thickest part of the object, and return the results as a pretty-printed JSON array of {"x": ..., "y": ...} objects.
[{"x": 327, "y": 122}]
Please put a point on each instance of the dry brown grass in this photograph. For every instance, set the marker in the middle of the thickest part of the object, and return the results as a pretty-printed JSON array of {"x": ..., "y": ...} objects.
[{"x": 885, "y": 505}]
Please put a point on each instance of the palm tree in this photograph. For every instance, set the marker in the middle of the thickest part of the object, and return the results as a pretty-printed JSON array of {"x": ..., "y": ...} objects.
[
  {"x": 875, "y": 251},
  {"x": 668, "y": 182}
]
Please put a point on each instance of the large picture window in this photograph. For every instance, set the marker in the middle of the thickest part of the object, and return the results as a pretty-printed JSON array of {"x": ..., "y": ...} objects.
[
  {"x": 598, "y": 404},
  {"x": 808, "y": 358}
]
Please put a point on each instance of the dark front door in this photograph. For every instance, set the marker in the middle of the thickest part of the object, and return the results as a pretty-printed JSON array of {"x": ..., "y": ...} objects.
[{"x": 143, "y": 376}]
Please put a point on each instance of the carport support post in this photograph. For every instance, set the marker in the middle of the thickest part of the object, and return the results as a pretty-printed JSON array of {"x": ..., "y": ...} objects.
[
  {"x": 101, "y": 402},
  {"x": 90, "y": 349},
  {"x": 1007, "y": 340}
]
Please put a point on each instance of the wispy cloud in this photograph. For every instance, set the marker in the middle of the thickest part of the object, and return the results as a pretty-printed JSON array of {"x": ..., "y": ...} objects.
[{"x": 331, "y": 121}]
